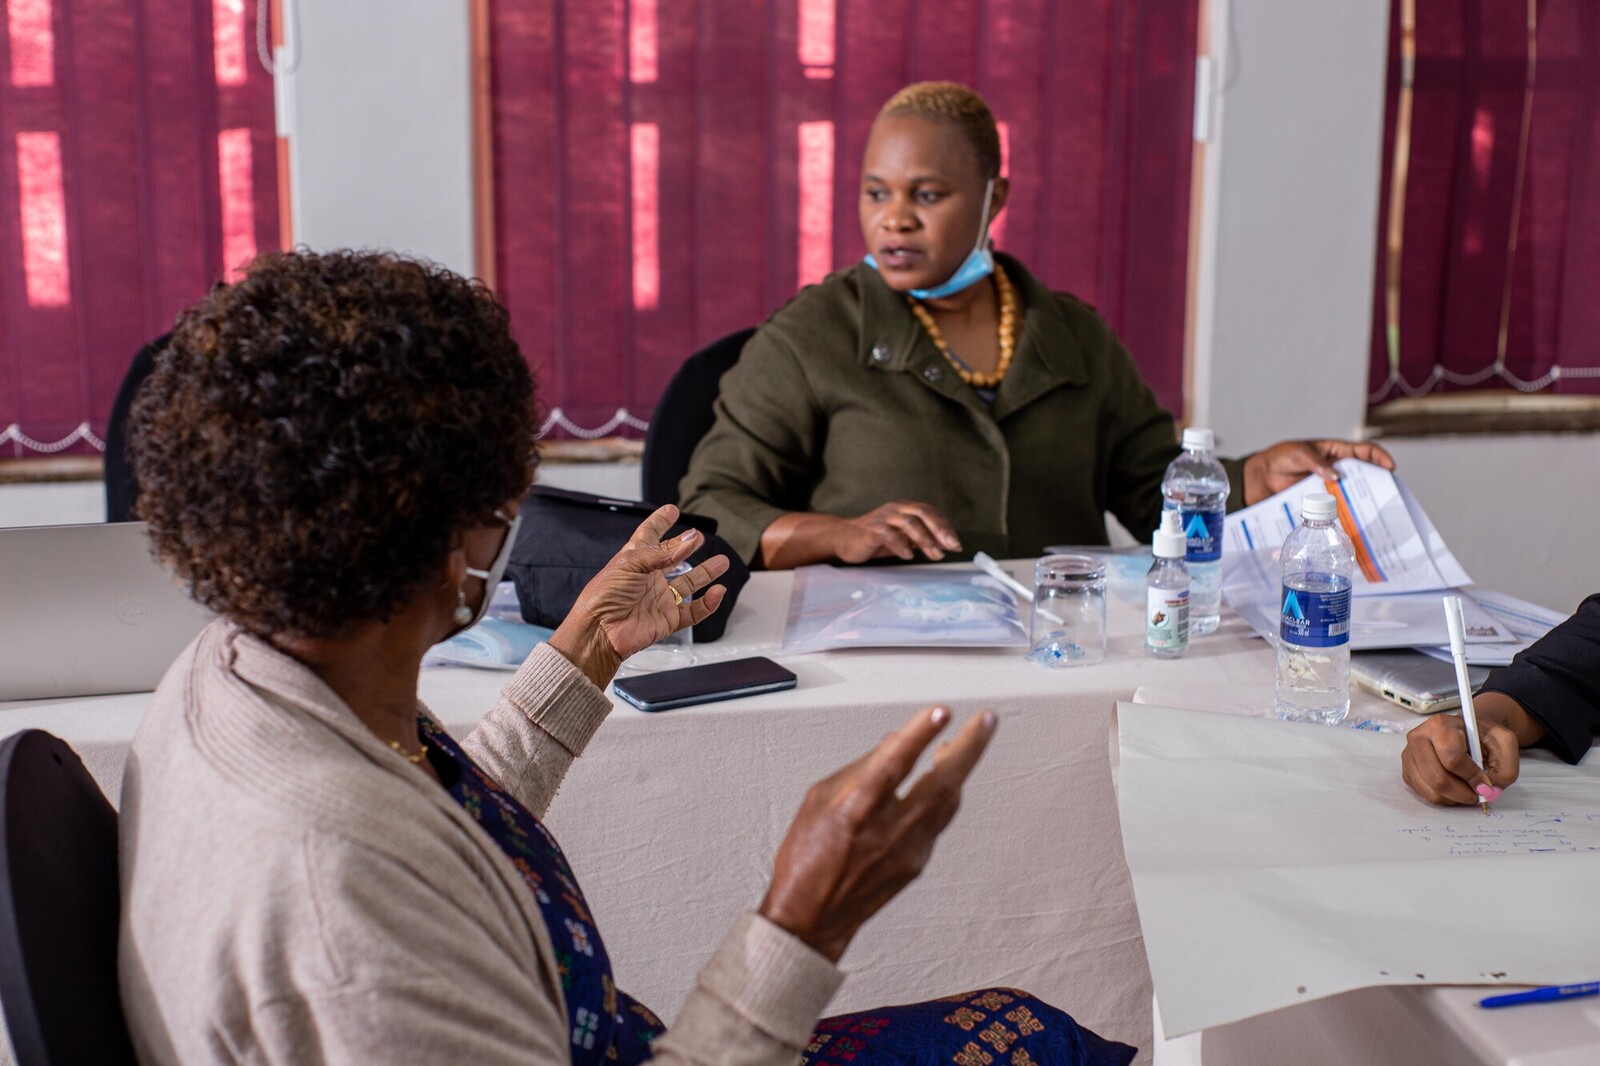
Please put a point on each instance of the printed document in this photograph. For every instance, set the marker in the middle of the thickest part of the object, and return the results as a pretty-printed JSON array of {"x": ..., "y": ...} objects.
[
  {"x": 1397, "y": 547},
  {"x": 1526, "y": 621},
  {"x": 1402, "y": 562}
]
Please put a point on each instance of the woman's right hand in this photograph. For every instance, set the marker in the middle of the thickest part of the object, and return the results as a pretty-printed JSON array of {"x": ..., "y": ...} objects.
[
  {"x": 1436, "y": 764},
  {"x": 900, "y": 529},
  {"x": 856, "y": 843}
]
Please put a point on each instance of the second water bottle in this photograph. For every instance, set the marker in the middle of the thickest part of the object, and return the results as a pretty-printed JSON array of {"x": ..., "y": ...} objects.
[
  {"x": 1319, "y": 562},
  {"x": 1196, "y": 486}
]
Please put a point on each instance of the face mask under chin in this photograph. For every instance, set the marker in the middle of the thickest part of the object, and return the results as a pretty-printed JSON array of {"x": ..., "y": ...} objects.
[{"x": 978, "y": 264}]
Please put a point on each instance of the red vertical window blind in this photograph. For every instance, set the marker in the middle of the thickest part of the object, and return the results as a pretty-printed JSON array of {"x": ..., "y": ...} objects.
[
  {"x": 137, "y": 168},
  {"x": 669, "y": 171},
  {"x": 1489, "y": 239}
]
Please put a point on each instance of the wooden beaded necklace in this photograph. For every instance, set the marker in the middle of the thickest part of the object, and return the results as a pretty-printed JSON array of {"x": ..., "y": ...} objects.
[{"x": 1008, "y": 335}]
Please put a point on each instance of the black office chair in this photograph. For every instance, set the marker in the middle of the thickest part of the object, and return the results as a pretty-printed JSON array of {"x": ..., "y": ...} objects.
[
  {"x": 683, "y": 415},
  {"x": 58, "y": 908},
  {"x": 122, "y": 491}
]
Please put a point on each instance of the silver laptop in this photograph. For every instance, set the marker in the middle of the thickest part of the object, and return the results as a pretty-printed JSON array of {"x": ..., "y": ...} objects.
[
  {"x": 86, "y": 610},
  {"x": 1415, "y": 681}
]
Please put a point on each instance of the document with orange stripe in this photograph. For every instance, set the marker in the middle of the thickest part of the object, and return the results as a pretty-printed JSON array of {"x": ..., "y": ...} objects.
[
  {"x": 1403, "y": 563},
  {"x": 1398, "y": 549}
]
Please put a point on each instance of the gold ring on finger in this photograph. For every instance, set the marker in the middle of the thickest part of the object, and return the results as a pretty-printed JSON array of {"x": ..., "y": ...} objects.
[{"x": 677, "y": 597}]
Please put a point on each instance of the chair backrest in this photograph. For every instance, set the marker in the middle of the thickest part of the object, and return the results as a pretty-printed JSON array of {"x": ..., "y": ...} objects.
[
  {"x": 58, "y": 908},
  {"x": 683, "y": 415},
  {"x": 122, "y": 491}
]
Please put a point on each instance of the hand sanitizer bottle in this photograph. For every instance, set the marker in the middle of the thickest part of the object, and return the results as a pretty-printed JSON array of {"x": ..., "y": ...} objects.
[{"x": 1166, "y": 615}]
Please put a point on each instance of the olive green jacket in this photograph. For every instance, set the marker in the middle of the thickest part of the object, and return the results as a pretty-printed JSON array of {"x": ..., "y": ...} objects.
[{"x": 840, "y": 403}]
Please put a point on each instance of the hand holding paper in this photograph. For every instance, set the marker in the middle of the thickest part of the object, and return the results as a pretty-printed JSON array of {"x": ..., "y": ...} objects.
[{"x": 1279, "y": 467}]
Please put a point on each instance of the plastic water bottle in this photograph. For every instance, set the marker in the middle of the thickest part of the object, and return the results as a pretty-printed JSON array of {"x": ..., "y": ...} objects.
[
  {"x": 1166, "y": 613},
  {"x": 1196, "y": 486},
  {"x": 1314, "y": 630}
]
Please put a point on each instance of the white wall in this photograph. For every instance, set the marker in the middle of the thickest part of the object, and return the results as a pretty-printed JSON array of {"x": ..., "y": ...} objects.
[
  {"x": 1289, "y": 230},
  {"x": 1521, "y": 512},
  {"x": 1291, "y": 202},
  {"x": 378, "y": 112},
  {"x": 68, "y": 503},
  {"x": 53, "y": 503}
]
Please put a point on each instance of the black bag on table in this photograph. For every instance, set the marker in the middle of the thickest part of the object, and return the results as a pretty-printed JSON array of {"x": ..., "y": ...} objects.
[{"x": 566, "y": 537}]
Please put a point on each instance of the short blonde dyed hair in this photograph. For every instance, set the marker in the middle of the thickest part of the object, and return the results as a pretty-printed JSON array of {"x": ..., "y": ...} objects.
[{"x": 948, "y": 101}]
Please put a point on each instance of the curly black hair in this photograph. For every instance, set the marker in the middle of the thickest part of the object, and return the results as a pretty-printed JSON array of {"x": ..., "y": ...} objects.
[{"x": 316, "y": 436}]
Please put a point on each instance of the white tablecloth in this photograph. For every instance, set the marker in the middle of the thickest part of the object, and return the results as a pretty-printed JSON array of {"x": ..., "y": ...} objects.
[{"x": 671, "y": 820}]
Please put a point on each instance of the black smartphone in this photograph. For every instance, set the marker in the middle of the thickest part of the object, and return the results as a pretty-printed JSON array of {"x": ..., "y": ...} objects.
[{"x": 704, "y": 684}]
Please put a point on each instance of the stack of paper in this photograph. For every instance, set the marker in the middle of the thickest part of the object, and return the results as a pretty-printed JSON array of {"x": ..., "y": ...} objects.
[
  {"x": 1403, "y": 564},
  {"x": 1526, "y": 621}
]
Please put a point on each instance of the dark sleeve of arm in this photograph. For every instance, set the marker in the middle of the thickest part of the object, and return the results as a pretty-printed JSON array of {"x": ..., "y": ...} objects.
[
  {"x": 757, "y": 462},
  {"x": 1235, "y": 469},
  {"x": 1142, "y": 439},
  {"x": 1557, "y": 680}
]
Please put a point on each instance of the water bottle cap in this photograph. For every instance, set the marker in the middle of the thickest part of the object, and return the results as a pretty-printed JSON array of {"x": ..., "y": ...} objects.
[
  {"x": 1199, "y": 439},
  {"x": 1169, "y": 541},
  {"x": 1318, "y": 507}
]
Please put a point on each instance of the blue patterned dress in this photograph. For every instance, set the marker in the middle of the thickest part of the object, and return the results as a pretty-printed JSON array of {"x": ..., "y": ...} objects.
[{"x": 993, "y": 1027}]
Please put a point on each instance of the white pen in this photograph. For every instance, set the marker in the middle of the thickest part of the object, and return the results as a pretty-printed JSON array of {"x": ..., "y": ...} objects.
[
  {"x": 987, "y": 564},
  {"x": 1458, "y": 650}
]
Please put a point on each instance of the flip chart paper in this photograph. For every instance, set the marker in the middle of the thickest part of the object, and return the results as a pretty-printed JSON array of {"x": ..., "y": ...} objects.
[{"x": 1276, "y": 863}]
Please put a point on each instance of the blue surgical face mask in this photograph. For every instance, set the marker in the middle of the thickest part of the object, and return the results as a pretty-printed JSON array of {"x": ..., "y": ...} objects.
[{"x": 978, "y": 264}]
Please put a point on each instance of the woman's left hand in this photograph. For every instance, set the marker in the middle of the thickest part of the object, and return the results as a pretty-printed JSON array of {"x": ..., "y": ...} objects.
[
  {"x": 1274, "y": 469},
  {"x": 629, "y": 605}
]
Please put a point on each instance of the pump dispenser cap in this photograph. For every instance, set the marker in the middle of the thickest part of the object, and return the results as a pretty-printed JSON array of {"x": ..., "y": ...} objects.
[
  {"x": 1169, "y": 541},
  {"x": 1318, "y": 507},
  {"x": 1199, "y": 439}
]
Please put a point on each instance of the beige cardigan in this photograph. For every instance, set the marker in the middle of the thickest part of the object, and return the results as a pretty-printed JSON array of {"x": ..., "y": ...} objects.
[{"x": 296, "y": 892}]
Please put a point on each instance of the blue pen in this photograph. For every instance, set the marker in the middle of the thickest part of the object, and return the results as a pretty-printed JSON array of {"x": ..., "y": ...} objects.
[{"x": 1542, "y": 995}]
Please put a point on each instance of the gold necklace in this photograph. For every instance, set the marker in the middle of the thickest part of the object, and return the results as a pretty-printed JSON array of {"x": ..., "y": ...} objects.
[
  {"x": 415, "y": 760},
  {"x": 1008, "y": 335}
]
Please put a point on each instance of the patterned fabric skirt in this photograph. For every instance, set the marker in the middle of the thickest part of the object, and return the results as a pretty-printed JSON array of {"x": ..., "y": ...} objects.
[{"x": 992, "y": 1027}]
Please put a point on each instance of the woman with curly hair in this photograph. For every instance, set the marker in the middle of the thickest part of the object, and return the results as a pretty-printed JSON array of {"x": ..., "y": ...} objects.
[
  {"x": 937, "y": 398},
  {"x": 331, "y": 453}
]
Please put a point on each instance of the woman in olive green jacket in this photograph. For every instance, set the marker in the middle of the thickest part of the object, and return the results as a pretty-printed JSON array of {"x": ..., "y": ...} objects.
[{"x": 937, "y": 398}]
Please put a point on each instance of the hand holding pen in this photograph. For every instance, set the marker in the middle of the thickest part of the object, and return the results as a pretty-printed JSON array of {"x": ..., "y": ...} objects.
[
  {"x": 1442, "y": 764},
  {"x": 1437, "y": 763}
]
